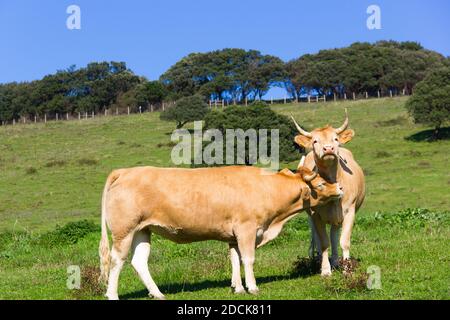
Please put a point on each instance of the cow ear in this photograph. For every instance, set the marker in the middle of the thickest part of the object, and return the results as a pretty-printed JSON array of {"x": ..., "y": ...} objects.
[
  {"x": 346, "y": 136},
  {"x": 303, "y": 141}
]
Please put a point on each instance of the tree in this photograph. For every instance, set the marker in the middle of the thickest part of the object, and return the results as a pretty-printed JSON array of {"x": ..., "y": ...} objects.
[
  {"x": 256, "y": 116},
  {"x": 186, "y": 109},
  {"x": 430, "y": 103}
]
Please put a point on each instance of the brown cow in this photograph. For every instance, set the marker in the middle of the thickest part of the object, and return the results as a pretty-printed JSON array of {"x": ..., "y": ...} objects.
[
  {"x": 244, "y": 206},
  {"x": 334, "y": 164}
]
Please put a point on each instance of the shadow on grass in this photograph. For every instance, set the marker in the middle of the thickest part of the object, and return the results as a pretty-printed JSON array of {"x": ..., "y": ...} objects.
[
  {"x": 173, "y": 288},
  {"x": 301, "y": 268},
  {"x": 428, "y": 135}
]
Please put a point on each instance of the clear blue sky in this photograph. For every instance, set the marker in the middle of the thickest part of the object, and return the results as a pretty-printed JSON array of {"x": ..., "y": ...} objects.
[{"x": 151, "y": 35}]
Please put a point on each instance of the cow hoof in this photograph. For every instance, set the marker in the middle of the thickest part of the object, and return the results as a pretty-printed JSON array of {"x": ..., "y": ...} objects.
[
  {"x": 239, "y": 290},
  {"x": 253, "y": 290},
  {"x": 157, "y": 296},
  {"x": 326, "y": 274},
  {"x": 112, "y": 296}
]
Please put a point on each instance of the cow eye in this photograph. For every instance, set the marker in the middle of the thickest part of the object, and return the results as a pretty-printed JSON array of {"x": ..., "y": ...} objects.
[
  {"x": 315, "y": 141},
  {"x": 335, "y": 139}
]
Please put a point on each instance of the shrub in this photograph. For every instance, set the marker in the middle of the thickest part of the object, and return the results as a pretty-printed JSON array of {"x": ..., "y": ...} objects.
[
  {"x": 257, "y": 116},
  {"x": 70, "y": 233},
  {"x": 430, "y": 103},
  {"x": 186, "y": 110}
]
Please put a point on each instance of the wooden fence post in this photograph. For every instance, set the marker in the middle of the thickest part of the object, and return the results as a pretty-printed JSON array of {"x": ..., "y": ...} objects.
[
  {"x": 390, "y": 93},
  {"x": 246, "y": 102},
  {"x": 45, "y": 118},
  {"x": 345, "y": 96},
  {"x": 79, "y": 116},
  {"x": 309, "y": 98},
  {"x": 334, "y": 96},
  {"x": 56, "y": 117},
  {"x": 93, "y": 114},
  {"x": 378, "y": 93},
  {"x": 140, "y": 110},
  {"x": 354, "y": 96},
  {"x": 35, "y": 119},
  {"x": 367, "y": 95}
]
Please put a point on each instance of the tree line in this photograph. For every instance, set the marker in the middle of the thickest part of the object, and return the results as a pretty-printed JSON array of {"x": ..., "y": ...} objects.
[{"x": 227, "y": 74}]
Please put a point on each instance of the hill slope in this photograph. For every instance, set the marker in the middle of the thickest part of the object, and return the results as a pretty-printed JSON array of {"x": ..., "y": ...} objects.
[{"x": 55, "y": 173}]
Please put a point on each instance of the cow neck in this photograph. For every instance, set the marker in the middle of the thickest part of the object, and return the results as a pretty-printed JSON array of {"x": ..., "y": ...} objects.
[{"x": 330, "y": 173}]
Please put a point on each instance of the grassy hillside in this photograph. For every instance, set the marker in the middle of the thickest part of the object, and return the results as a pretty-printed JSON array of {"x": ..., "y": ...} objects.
[{"x": 52, "y": 174}]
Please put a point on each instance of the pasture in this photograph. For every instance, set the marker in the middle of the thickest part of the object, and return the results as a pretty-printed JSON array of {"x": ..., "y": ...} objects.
[{"x": 53, "y": 174}]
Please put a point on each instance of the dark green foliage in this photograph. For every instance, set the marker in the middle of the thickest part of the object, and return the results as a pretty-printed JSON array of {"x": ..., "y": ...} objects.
[
  {"x": 186, "y": 110},
  {"x": 361, "y": 67},
  {"x": 256, "y": 116},
  {"x": 228, "y": 73},
  {"x": 89, "y": 89},
  {"x": 430, "y": 103},
  {"x": 70, "y": 233}
]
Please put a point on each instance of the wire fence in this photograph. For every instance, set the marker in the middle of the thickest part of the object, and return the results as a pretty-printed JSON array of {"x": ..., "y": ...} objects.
[{"x": 213, "y": 104}]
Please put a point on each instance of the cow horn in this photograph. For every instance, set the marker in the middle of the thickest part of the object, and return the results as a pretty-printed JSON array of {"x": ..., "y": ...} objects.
[
  {"x": 308, "y": 177},
  {"x": 301, "y": 163},
  {"x": 302, "y": 132},
  {"x": 345, "y": 125}
]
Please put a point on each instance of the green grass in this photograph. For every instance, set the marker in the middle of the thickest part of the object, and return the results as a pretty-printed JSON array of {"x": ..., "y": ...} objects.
[{"x": 53, "y": 174}]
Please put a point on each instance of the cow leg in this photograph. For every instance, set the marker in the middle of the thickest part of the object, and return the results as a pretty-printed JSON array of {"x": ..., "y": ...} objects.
[
  {"x": 347, "y": 227},
  {"x": 325, "y": 244},
  {"x": 119, "y": 254},
  {"x": 247, "y": 244},
  {"x": 334, "y": 235},
  {"x": 141, "y": 249},
  {"x": 314, "y": 245},
  {"x": 236, "y": 281}
]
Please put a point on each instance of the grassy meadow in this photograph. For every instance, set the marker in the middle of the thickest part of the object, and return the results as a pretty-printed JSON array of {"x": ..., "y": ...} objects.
[{"x": 53, "y": 174}]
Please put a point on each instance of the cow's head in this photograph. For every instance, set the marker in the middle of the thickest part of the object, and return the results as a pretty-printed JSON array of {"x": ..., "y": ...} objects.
[
  {"x": 325, "y": 141},
  {"x": 321, "y": 190}
]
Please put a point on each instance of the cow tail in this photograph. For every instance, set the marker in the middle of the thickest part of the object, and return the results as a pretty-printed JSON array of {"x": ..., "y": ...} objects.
[{"x": 103, "y": 249}]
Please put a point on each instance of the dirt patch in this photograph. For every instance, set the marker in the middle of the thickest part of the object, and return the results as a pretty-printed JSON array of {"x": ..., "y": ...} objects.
[{"x": 89, "y": 286}]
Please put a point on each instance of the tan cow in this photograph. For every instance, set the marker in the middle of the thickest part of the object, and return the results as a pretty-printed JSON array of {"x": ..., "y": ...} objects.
[
  {"x": 334, "y": 164},
  {"x": 244, "y": 206}
]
